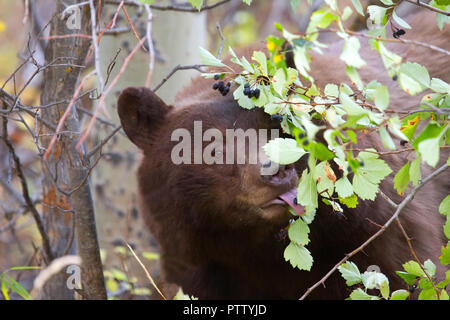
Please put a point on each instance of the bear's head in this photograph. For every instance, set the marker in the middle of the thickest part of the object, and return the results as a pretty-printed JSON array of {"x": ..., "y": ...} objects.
[{"x": 205, "y": 161}]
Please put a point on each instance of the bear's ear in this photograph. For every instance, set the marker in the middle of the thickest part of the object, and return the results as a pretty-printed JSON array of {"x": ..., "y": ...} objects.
[{"x": 140, "y": 111}]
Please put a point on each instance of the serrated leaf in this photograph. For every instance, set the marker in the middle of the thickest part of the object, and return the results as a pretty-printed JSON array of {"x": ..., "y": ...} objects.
[
  {"x": 358, "y": 7},
  {"x": 386, "y": 139},
  {"x": 283, "y": 150},
  {"x": 429, "y": 149},
  {"x": 381, "y": 97},
  {"x": 359, "y": 294},
  {"x": 401, "y": 179},
  {"x": 430, "y": 267},
  {"x": 444, "y": 207},
  {"x": 298, "y": 232},
  {"x": 208, "y": 59},
  {"x": 261, "y": 58},
  {"x": 413, "y": 77},
  {"x": 373, "y": 280},
  {"x": 343, "y": 187},
  {"x": 408, "y": 278},
  {"x": 298, "y": 256},
  {"x": 440, "y": 86},
  {"x": 402, "y": 23},
  {"x": 445, "y": 254},
  {"x": 350, "y": 273},
  {"x": 447, "y": 227},
  {"x": 399, "y": 295},
  {"x": 350, "y": 202},
  {"x": 307, "y": 190},
  {"x": 365, "y": 189},
  {"x": 412, "y": 267},
  {"x": 376, "y": 13},
  {"x": 414, "y": 172},
  {"x": 350, "y": 54}
]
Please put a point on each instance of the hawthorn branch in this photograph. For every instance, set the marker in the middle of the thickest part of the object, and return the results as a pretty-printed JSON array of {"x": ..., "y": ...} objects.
[
  {"x": 197, "y": 67},
  {"x": 399, "y": 209},
  {"x": 427, "y": 6}
]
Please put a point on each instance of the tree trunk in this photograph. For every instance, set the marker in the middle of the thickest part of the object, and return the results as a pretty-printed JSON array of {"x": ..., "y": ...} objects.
[
  {"x": 177, "y": 37},
  {"x": 64, "y": 169}
]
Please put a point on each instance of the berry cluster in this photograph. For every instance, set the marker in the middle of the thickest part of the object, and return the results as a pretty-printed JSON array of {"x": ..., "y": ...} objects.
[
  {"x": 224, "y": 89},
  {"x": 276, "y": 117},
  {"x": 251, "y": 92}
]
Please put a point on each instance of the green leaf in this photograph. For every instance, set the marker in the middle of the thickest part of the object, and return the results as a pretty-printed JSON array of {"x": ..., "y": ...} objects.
[
  {"x": 331, "y": 90},
  {"x": 401, "y": 179},
  {"x": 408, "y": 278},
  {"x": 414, "y": 172},
  {"x": 428, "y": 294},
  {"x": 350, "y": 202},
  {"x": 440, "y": 86},
  {"x": 365, "y": 189},
  {"x": 149, "y": 2},
  {"x": 283, "y": 150},
  {"x": 444, "y": 207},
  {"x": 344, "y": 188},
  {"x": 447, "y": 227},
  {"x": 350, "y": 53},
  {"x": 429, "y": 149},
  {"x": 376, "y": 14},
  {"x": 298, "y": 232},
  {"x": 197, "y": 4},
  {"x": 402, "y": 23},
  {"x": 307, "y": 190},
  {"x": 359, "y": 294},
  {"x": 413, "y": 78},
  {"x": 399, "y": 295},
  {"x": 350, "y": 106},
  {"x": 430, "y": 267},
  {"x": 350, "y": 273},
  {"x": 261, "y": 58},
  {"x": 412, "y": 267},
  {"x": 386, "y": 139},
  {"x": 381, "y": 97},
  {"x": 445, "y": 254},
  {"x": 321, "y": 152},
  {"x": 358, "y": 7},
  {"x": 298, "y": 256},
  {"x": 208, "y": 59},
  {"x": 373, "y": 280}
]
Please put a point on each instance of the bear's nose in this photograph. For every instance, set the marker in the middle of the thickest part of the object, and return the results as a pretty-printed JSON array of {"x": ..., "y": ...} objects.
[{"x": 277, "y": 174}]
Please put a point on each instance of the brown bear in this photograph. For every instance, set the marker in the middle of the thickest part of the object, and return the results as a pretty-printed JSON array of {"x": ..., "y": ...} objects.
[{"x": 218, "y": 225}]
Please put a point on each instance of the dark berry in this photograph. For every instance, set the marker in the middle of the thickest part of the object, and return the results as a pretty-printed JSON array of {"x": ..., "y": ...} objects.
[
  {"x": 395, "y": 77},
  {"x": 225, "y": 91},
  {"x": 361, "y": 163},
  {"x": 246, "y": 91},
  {"x": 215, "y": 86},
  {"x": 216, "y": 76},
  {"x": 256, "y": 93},
  {"x": 306, "y": 142},
  {"x": 301, "y": 135},
  {"x": 221, "y": 84},
  {"x": 295, "y": 200},
  {"x": 246, "y": 86},
  {"x": 276, "y": 117},
  {"x": 403, "y": 142},
  {"x": 251, "y": 93},
  {"x": 397, "y": 34},
  {"x": 349, "y": 169}
]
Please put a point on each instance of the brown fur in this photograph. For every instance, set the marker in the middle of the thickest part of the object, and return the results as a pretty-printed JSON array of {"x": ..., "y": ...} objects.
[{"x": 215, "y": 240}]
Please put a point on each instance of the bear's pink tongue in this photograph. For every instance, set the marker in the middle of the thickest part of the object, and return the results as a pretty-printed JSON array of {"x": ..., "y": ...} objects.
[{"x": 289, "y": 197}]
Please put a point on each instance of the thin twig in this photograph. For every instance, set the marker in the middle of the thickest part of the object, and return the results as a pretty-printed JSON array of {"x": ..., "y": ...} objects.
[
  {"x": 174, "y": 70},
  {"x": 426, "y": 5},
  {"x": 26, "y": 196},
  {"x": 397, "y": 212}
]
